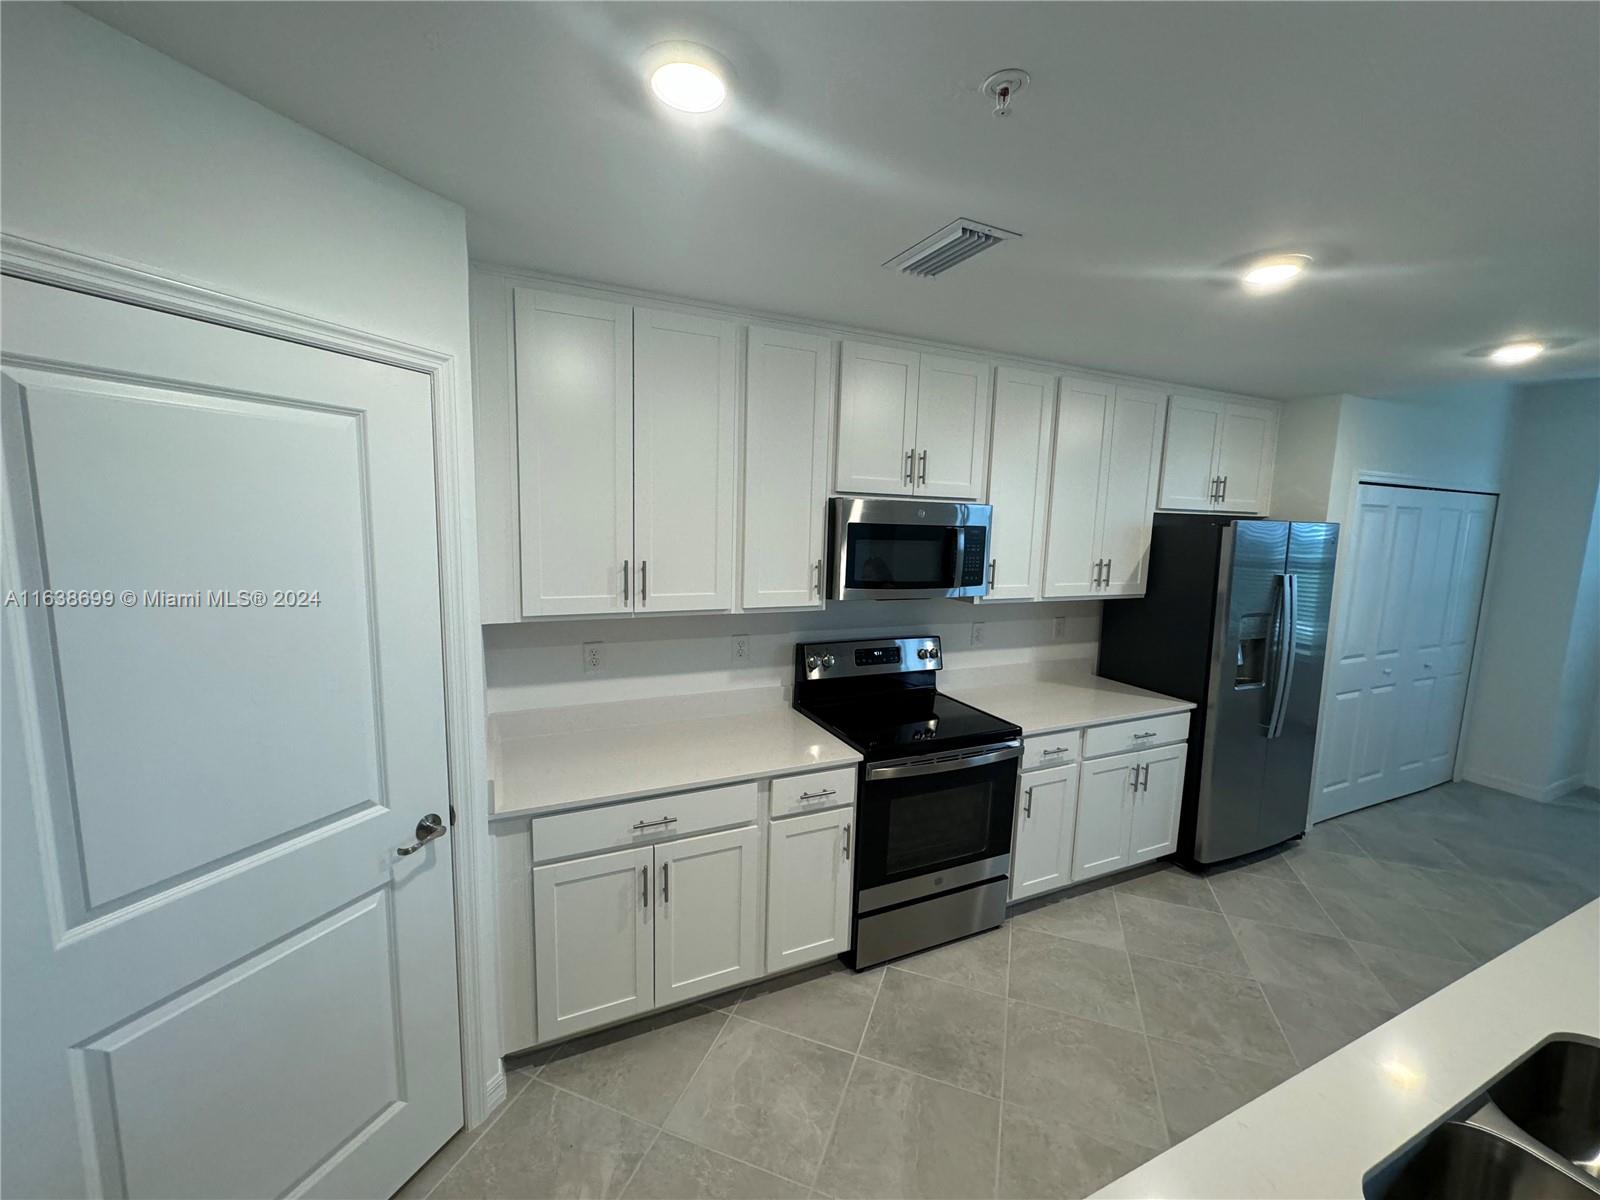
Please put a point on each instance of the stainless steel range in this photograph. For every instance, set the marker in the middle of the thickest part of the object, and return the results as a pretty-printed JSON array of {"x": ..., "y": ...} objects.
[{"x": 935, "y": 796}]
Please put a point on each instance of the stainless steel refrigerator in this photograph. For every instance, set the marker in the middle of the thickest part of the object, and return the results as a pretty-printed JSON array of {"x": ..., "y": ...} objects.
[{"x": 1235, "y": 618}]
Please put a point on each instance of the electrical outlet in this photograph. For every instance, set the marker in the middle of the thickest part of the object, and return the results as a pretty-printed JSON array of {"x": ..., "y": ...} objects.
[
  {"x": 977, "y": 633},
  {"x": 741, "y": 649},
  {"x": 593, "y": 659},
  {"x": 1058, "y": 628}
]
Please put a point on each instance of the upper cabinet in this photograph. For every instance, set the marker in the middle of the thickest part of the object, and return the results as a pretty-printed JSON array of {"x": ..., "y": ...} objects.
[
  {"x": 1019, "y": 482},
  {"x": 787, "y": 410},
  {"x": 1103, "y": 489},
  {"x": 1218, "y": 455},
  {"x": 626, "y": 457},
  {"x": 912, "y": 424}
]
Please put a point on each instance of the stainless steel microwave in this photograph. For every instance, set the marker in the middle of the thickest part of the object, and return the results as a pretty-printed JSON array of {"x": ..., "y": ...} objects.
[{"x": 907, "y": 549}]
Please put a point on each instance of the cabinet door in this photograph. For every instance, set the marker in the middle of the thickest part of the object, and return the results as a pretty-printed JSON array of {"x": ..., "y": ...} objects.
[
  {"x": 574, "y": 451},
  {"x": 808, "y": 888},
  {"x": 1244, "y": 457},
  {"x": 1047, "y": 809},
  {"x": 1105, "y": 795},
  {"x": 786, "y": 468},
  {"x": 1154, "y": 822},
  {"x": 593, "y": 941},
  {"x": 1019, "y": 482},
  {"x": 1128, "y": 489},
  {"x": 1189, "y": 463},
  {"x": 953, "y": 397},
  {"x": 877, "y": 419},
  {"x": 685, "y": 451},
  {"x": 1070, "y": 546},
  {"x": 707, "y": 934}
]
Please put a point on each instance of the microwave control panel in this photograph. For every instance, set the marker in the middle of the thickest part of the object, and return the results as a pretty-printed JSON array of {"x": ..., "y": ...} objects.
[{"x": 975, "y": 556}]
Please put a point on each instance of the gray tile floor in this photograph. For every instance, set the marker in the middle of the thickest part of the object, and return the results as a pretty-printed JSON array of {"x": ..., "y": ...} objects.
[{"x": 1054, "y": 1054}]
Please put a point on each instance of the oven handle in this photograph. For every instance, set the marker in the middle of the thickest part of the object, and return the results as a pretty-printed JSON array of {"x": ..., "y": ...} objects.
[{"x": 941, "y": 766}]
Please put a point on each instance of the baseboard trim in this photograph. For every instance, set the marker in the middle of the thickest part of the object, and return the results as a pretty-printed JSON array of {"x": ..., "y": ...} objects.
[
  {"x": 494, "y": 1093},
  {"x": 1520, "y": 787}
]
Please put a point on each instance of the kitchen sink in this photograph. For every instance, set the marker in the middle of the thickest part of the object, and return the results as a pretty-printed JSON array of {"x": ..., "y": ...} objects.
[
  {"x": 1554, "y": 1094},
  {"x": 1532, "y": 1134}
]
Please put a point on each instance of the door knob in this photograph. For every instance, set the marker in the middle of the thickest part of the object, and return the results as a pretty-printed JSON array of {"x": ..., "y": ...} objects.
[{"x": 428, "y": 828}]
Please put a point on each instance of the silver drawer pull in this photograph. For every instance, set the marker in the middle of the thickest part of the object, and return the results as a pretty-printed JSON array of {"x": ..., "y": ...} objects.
[
  {"x": 662, "y": 823},
  {"x": 847, "y": 843},
  {"x": 1058, "y": 750},
  {"x": 818, "y": 795},
  {"x": 1149, "y": 734}
]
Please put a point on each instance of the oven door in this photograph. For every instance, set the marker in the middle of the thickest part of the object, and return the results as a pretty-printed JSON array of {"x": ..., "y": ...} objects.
[
  {"x": 926, "y": 826},
  {"x": 908, "y": 549}
]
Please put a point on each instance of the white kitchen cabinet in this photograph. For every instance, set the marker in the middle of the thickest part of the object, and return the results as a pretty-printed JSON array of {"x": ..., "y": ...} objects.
[
  {"x": 877, "y": 419},
  {"x": 574, "y": 405},
  {"x": 1103, "y": 489},
  {"x": 1153, "y": 811},
  {"x": 685, "y": 452},
  {"x": 1019, "y": 482},
  {"x": 912, "y": 423},
  {"x": 787, "y": 416},
  {"x": 707, "y": 920},
  {"x": 808, "y": 888},
  {"x": 594, "y": 941},
  {"x": 1047, "y": 807},
  {"x": 1100, "y": 843},
  {"x": 1218, "y": 454}
]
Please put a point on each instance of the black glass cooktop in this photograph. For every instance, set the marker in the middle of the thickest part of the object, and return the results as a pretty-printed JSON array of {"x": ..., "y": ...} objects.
[{"x": 909, "y": 721}]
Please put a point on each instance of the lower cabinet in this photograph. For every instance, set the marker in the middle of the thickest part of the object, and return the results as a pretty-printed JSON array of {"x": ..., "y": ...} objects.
[
  {"x": 619, "y": 934},
  {"x": 1047, "y": 809},
  {"x": 808, "y": 888},
  {"x": 1127, "y": 809}
]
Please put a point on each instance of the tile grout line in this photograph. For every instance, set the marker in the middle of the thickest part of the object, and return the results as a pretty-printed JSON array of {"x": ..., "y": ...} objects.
[
  {"x": 833, "y": 1126},
  {"x": 487, "y": 1125},
  {"x": 727, "y": 1015},
  {"x": 1005, "y": 1046}
]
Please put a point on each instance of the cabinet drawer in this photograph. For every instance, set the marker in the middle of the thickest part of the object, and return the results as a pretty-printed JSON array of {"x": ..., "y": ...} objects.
[
  {"x": 793, "y": 794},
  {"x": 1135, "y": 735},
  {"x": 1051, "y": 749},
  {"x": 640, "y": 822}
]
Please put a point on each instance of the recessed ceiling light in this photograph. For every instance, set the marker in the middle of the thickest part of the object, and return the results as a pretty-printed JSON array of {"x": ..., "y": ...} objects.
[
  {"x": 1274, "y": 273},
  {"x": 686, "y": 76},
  {"x": 1513, "y": 353}
]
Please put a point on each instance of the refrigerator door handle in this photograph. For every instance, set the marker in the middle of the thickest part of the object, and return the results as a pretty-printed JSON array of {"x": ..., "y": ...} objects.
[{"x": 1280, "y": 701}]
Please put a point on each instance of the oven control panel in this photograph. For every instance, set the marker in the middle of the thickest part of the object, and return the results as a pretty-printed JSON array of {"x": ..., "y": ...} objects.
[{"x": 840, "y": 660}]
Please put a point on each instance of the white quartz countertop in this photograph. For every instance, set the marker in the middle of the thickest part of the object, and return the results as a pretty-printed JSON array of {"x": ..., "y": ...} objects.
[
  {"x": 554, "y": 771},
  {"x": 1317, "y": 1133},
  {"x": 1043, "y": 704}
]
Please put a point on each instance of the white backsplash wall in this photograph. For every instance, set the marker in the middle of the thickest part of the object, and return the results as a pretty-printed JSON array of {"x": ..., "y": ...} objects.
[{"x": 539, "y": 664}]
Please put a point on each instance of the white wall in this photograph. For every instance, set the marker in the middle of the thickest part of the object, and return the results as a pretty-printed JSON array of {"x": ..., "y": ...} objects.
[
  {"x": 539, "y": 664},
  {"x": 1534, "y": 674}
]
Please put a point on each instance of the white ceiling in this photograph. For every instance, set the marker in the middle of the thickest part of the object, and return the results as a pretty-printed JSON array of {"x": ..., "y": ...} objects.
[{"x": 1442, "y": 159}]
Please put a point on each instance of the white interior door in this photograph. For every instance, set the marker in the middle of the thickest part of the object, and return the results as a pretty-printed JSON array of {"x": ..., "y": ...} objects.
[
  {"x": 220, "y": 976},
  {"x": 1070, "y": 563},
  {"x": 877, "y": 419},
  {"x": 808, "y": 888},
  {"x": 594, "y": 941},
  {"x": 708, "y": 927},
  {"x": 1046, "y": 813},
  {"x": 787, "y": 415},
  {"x": 953, "y": 397},
  {"x": 685, "y": 455},
  {"x": 1400, "y": 655},
  {"x": 1019, "y": 482},
  {"x": 574, "y": 452},
  {"x": 1128, "y": 488}
]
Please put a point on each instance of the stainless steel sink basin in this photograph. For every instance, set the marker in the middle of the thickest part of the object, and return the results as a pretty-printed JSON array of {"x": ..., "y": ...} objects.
[
  {"x": 1554, "y": 1094},
  {"x": 1532, "y": 1134},
  {"x": 1463, "y": 1162}
]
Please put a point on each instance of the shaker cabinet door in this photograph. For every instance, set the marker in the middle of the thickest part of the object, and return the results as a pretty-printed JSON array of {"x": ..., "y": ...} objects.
[
  {"x": 707, "y": 893},
  {"x": 953, "y": 397},
  {"x": 877, "y": 419},
  {"x": 1105, "y": 793},
  {"x": 1047, "y": 809},
  {"x": 1019, "y": 482},
  {"x": 808, "y": 888}
]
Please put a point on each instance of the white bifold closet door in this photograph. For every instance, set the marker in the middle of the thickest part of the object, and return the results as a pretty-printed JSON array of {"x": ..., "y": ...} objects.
[
  {"x": 1402, "y": 650},
  {"x": 222, "y": 976}
]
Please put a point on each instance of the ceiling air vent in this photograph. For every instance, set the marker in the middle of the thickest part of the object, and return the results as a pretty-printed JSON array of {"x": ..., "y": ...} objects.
[{"x": 955, "y": 243}]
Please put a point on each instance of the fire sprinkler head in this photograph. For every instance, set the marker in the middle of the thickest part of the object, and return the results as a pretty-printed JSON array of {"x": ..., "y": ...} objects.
[{"x": 1003, "y": 86}]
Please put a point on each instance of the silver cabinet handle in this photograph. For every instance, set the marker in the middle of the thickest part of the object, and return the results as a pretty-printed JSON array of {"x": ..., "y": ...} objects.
[
  {"x": 1215, "y": 481},
  {"x": 644, "y": 887},
  {"x": 816, "y": 577},
  {"x": 910, "y": 454},
  {"x": 1107, "y": 581},
  {"x": 847, "y": 843},
  {"x": 428, "y": 828},
  {"x": 1057, "y": 750},
  {"x": 624, "y": 583},
  {"x": 666, "y": 888},
  {"x": 658, "y": 823},
  {"x": 1095, "y": 580},
  {"x": 1027, "y": 803},
  {"x": 818, "y": 795},
  {"x": 992, "y": 563},
  {"x": 922, "y": 469},
  {"x": 1147, "y": 777},
  {"x": 644, "y": 595},
  {"x": 1133, "y": 782},
  {"x": 1224, "y": 495},
  {"x": 1147, "y": 734}
]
